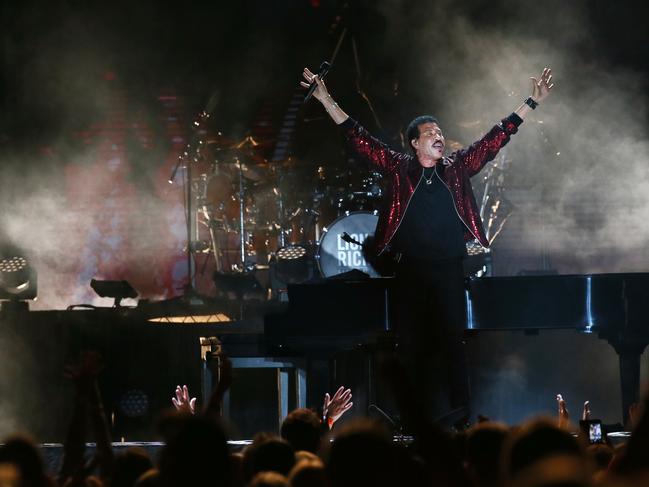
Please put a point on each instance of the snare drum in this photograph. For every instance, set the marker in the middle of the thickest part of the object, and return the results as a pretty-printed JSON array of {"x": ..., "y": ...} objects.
[{"x": 335, "y": 255}]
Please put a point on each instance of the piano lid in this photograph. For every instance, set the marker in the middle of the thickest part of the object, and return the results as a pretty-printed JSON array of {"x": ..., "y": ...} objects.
[{"x": 592, "y": 302}]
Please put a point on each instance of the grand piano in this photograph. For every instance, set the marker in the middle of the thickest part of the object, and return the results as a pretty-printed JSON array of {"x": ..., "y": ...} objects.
[{"x": 613, "y": 306}]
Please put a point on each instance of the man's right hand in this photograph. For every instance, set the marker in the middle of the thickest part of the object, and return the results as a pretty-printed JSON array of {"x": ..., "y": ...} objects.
[
  {"x": 320, "y": 92},
  {"x": 323, "y": 96}
]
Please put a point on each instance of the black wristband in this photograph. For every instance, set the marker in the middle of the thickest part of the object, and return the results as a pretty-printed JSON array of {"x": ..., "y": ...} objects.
[{"x": 530, "y": 101}]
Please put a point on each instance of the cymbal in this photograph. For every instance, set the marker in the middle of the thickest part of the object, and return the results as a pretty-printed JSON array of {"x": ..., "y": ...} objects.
[
  {"x": 218, "y": 140},
  {"x": 252, "y": 172},
  {"x": 233, "y": 154},
  {"x": 250, "y": 141}
]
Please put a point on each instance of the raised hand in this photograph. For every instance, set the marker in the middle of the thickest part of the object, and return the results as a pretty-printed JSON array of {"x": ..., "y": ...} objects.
[
  {"x": 334, "y": 407},
  {"x": 585, "y": 415},
  {"x": 564, "y": 416},
  {"x": 182, "y": 401},
  {"x": 541, "y": 87},
  {"x": 634, "y": 415},
  {"x": 89, "y": 366},
  {"x": 320, "y": 92},
  {"x": 84, "y": 373}
]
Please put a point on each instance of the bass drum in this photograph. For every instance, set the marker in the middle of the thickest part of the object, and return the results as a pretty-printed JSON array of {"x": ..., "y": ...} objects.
[{"x": 336, "y": 256}]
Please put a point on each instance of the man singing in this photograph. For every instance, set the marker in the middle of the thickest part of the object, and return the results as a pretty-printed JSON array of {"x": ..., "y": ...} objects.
[{"x": 428, "y": 214}]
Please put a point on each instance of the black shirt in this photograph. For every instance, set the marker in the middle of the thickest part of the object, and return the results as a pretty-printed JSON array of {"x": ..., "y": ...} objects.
[{"x": 431, "y": 228}]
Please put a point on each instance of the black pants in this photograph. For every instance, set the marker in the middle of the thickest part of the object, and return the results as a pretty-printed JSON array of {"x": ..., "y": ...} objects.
[{"x": 431, "y": 318}]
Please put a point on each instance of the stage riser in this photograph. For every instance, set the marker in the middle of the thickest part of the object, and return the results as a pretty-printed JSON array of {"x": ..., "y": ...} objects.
[{"x": 513, "y": 375}]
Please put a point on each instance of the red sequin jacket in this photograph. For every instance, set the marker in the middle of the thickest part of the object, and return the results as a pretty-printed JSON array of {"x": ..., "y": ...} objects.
[{"x": 403, "y": 173}]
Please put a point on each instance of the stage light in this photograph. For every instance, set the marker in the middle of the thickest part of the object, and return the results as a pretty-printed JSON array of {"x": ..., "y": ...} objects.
[
  {"x": 17, "y": 277},
  {"x": 292, "y": 265},
  {"x": 292, "y": 252},
  {"x": 198, "y": 319},
  {"x": 117, "y": 290},
  {"x": 134, "y": 403},
  {"x": 180, "y": 311}
]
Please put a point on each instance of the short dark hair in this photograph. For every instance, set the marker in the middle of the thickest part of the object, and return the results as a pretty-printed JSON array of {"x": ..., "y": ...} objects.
[
  {"x": 302, "y": 429},
  {"x": 412, "y": 132},
  {"x": 537, "y": 440}
]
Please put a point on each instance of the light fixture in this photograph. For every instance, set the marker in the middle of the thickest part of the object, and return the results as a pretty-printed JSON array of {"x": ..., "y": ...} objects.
[
  {"x": 292, "y": 265},
  {"x": 117, "y": 290},
  {"x": 17, "y": 278},
  {"x": 291, "y": 252},
  {"x": 180, "y": 311},
  {"x": 134, "y": 403},
  {"x": 193, "y": 319}
]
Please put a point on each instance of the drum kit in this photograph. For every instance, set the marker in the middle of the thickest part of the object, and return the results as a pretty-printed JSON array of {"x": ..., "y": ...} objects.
[{"x": 250, "y": 214}]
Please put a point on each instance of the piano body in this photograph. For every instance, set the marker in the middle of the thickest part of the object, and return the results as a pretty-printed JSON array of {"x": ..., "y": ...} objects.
[
  {"x": 334, "y": 315},
  {"x": 614, "y": 306}
]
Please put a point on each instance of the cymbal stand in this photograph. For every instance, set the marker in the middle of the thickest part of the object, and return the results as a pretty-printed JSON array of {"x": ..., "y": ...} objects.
[
  {"x": 242, "y": 234},
  {"x": 280, "y": 209},
  {"x": 192, "y": 149}
]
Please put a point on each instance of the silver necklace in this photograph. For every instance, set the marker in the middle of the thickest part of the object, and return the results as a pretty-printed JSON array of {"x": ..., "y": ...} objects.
[{"x": 429, "y": 181}]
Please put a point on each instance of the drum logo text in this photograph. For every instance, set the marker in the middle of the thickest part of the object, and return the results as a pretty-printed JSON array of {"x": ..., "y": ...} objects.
[{"x": 351, "y": 254}]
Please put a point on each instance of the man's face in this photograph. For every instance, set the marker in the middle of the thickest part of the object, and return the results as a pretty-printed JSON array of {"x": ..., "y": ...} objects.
[{"x": 430, "y": 143}]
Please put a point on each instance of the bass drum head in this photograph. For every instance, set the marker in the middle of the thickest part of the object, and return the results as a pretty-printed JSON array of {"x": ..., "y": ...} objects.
[{"x": 336, "y": 256}]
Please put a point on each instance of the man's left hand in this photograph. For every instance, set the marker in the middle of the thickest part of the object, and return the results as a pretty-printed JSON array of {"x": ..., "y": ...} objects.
[{"x": 541, "y": 87}]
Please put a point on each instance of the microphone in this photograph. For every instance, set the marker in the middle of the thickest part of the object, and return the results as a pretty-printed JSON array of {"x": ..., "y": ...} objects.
[
  {"x": 349, "y": 239},
  {"x": 324, "y": 69}
]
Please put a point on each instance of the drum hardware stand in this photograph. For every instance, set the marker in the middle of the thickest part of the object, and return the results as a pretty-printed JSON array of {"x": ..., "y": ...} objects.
[
  {"x": 191, "y": 152},
  {"x": 242, "y": 230}
]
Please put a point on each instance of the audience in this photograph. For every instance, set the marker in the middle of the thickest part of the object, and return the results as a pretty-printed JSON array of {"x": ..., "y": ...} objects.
[{"x": 310, "y": 453}]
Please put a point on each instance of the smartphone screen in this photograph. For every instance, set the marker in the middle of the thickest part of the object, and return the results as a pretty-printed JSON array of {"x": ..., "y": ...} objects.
[
  {"x": 592, "y": 428},
  {"x": 595, "y": 432}
]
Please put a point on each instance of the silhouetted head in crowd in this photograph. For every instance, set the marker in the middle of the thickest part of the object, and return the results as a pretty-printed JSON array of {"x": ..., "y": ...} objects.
[
  {"x": 362, "y": 454},
  {"x": 236, "y": 470},
  {"x": 129, "y": 466},
  {"x": 483, "y": 446},
  {"x": 601, "y": 455},
  {"x": 302, "y": 429},
  {"x": 269, "y": 479},
  {"x": 538, "y": 454},
  {"x": 196, "y": 454},
  {"x": 9, "y": 475},
  {"x": 25, "y": 456},
  {"x": 268, "y": 454},
  {"x": 150, "y": 478},
  {"x": 304, "y": 456},
  {"x": 308, "y": 473}
]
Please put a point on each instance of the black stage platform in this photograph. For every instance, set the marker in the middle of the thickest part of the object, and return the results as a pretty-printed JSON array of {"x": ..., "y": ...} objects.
[{"x": 335, "y": 334}]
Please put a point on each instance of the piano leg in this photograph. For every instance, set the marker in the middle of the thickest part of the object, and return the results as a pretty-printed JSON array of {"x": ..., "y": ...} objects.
[{"x": 629, "y": 378}]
